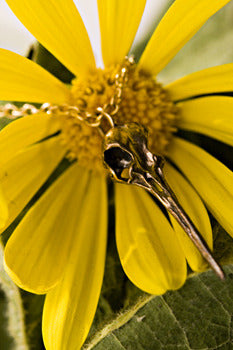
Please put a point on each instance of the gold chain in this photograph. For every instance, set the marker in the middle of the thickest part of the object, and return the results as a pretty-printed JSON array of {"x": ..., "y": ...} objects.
[
  {"x": 11, "y": 111},
  {"x": 93, "y": 120},
  {"x": 121, "y": 80}
]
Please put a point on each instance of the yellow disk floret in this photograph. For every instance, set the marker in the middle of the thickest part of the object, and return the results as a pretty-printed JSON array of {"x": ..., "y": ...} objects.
[
  {"x": 143, "y": 101},
  {"x": 82, "y": 142}
]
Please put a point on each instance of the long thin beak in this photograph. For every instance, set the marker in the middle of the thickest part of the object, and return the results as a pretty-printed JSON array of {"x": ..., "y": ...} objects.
[{"x": 159, "y": 188}]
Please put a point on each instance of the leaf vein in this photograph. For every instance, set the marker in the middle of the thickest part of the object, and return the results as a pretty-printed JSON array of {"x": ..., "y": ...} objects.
[{"x": 177, "y": 321}]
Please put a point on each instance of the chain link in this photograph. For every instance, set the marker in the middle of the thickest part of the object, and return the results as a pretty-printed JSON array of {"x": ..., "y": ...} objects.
[
  {"x": 11, "y": 111},
  {"x": 106, "y": 112},
  {"x": 121, "y": 80}
]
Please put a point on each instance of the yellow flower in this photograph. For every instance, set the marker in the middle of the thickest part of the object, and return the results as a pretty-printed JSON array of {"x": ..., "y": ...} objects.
[{"x": 59, "y": 246}]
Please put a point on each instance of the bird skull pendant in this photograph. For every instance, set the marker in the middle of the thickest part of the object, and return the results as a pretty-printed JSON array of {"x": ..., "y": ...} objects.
[{"x": 127, "y": 157}]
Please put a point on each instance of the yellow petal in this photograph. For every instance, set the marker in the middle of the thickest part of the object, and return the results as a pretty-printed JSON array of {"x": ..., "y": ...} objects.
[
  {"x": 3, "y": 209},
  {"x": 119, "y": 21},
  {"x": 24, "y": 174},
  {"x": 57, "y": 25},
  {"x": 212, "y": 180},
  {"x": 193, "y": 206},
  {"x": 70, "y": 307},
  {"x": 210, "y": 80},
  {"x": 23, "y": 132},
  {"x": 211, "y": 116},
  {"x": 38, "y": 250},
  {"x": 24, "y": 80},
  {"x": 148, "y": 247},
  {"x": 180, "y": 23}
]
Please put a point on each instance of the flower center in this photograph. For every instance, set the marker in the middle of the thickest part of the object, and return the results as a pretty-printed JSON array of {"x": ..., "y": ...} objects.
[{"x": 143, "y": 101}]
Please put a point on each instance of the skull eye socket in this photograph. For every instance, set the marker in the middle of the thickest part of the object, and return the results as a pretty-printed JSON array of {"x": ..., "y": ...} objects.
[{"x": 117, "y": 160}]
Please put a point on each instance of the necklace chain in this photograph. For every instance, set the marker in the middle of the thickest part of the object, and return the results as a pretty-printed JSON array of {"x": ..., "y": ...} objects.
[
  {"x": 144, "y": 170},
  {"x": 95, "y": 119}
]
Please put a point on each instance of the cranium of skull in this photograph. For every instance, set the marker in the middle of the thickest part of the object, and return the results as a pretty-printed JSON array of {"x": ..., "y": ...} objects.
[{"x": 126, "y": 154}]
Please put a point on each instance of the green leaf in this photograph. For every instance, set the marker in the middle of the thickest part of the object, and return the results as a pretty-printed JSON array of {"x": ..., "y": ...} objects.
[
  {"x": 33, "y": 307},
  {"x": 122, "y": 306},
  {"x": 223, "y": 245},
  {"x": 198, "y": 316}
]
